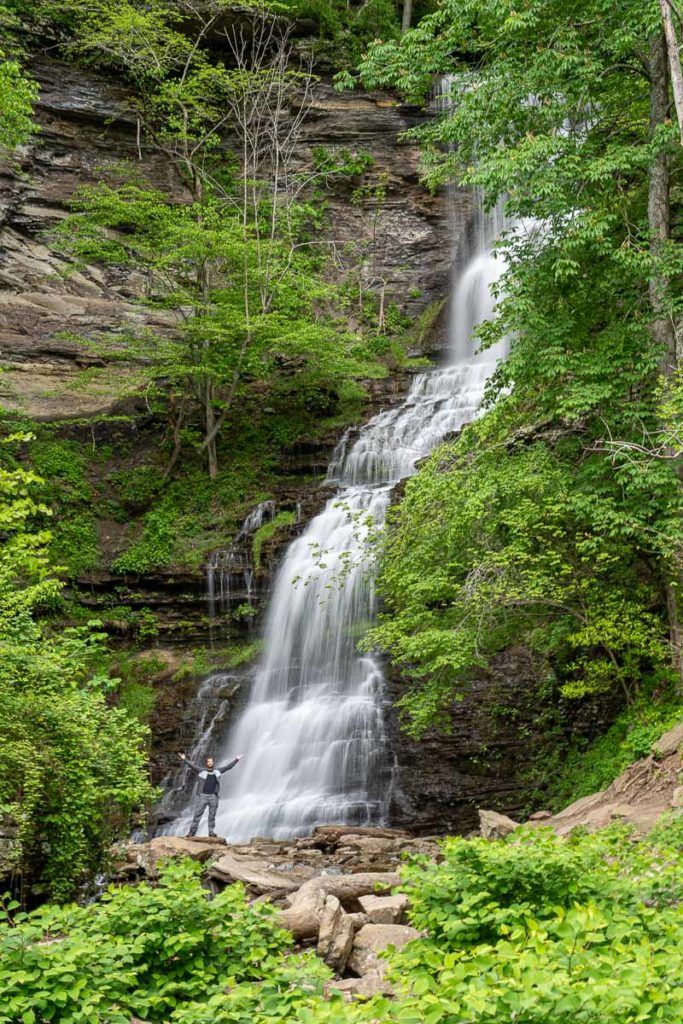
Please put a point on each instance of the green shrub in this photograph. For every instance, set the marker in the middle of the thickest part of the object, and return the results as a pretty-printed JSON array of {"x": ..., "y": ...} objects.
[
  {"x": 146, "y": 951},
  {"x": 582, "y": 771},
  {"x": 267, "y": 532},
  {"x": 154, "y": 549},
  {"x": 72, "y": 769},
  {"x": 137, "y": 699},
  {"x": 539, "y": 929},
  {"x": 62, "y": 464},
  {"x": 75, "y": 545},
  {"x": 137, "y": 486}
]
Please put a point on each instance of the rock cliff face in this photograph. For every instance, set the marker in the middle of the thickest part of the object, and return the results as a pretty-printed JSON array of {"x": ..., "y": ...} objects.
[
  {"x": 495, "y": 737},
  {"x": 85, "y": 125}
]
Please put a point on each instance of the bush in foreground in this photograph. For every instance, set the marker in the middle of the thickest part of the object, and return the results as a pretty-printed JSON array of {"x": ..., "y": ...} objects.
[{"x": 533, "y": 929}]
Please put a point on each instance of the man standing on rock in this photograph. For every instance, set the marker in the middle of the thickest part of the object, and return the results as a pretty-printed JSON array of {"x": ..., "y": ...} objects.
[{"x": 208, "y": 789}]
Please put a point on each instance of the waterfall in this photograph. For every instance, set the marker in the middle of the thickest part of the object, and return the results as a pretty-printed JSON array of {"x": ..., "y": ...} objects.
[
  {"x": 227, "y": 563},
  {"x": 313, "y": 729}
]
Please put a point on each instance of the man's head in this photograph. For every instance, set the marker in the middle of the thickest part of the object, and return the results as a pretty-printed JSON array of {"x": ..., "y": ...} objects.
[{"x": 209, "y": 763}]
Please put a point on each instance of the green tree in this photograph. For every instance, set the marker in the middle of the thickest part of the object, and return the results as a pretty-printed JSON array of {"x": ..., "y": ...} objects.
[
  {"x": 72, "y": 769},
  {"x": 562, "y": 112},
  {"x": 18, "y": 91},
  {"x": 238, "y": 261}
]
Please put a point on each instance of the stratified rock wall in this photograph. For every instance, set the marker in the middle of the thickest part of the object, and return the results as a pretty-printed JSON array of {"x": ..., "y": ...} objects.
[
  {"x": 496, "y": 737},
  {"x": 85, "y": 126}
]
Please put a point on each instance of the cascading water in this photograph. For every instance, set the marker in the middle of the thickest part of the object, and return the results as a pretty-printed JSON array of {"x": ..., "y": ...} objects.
[
  {"x": 227, "y": 563},
  {"x": 312, "y": 732}
]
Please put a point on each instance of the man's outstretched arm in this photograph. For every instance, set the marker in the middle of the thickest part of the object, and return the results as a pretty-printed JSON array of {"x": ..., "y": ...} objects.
[
  {"x": 195, "y": 767},
  {"x": 230, "y": 764}
]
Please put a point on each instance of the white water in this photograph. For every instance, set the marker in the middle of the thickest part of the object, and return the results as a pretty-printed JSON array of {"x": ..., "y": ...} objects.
[{"x": 313, "y": 733}]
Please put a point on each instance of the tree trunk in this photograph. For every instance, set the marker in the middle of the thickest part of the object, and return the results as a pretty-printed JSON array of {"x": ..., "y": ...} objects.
[
  {"x": 177, "y": 421},
  {"x": 210, "y": 439},
  {"x": 674, "y": 62},
  {"x": 407, "y": 15},
  {"x": 658, "y": 206},
  {"x": 663, "y": 331}
]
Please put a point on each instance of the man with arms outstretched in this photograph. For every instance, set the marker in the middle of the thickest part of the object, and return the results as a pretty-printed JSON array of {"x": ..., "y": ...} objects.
[{"x": 208, "y": 789}]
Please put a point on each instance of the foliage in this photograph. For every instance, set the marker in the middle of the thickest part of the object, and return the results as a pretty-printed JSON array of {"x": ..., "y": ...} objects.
[
  {"x": 194, "y": 515},
  {"x": 533, "y": 928},
  {"x": 149, "y": 950},
  {"x": 154, "y": 549},
  {"x": 267, "y": 532},
  {"x": 65, "y": 488},
  {"x": 583, "y": 770},
  {"x": 556, "y": 519},
  {"x": 531, "y": 548},
  {"x": 18, "y": 91},
  {"x": 238, "y": 268},
  {"x": 71, "y": 768},
  {"x": 539, "y": 928},
  {"x": 137, "y": 699}
]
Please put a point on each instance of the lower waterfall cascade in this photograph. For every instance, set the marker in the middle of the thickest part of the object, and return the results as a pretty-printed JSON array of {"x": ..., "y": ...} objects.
[{"x": 313, "y": 731}]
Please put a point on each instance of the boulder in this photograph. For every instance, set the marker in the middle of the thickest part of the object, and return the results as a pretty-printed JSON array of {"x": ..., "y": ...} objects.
[
  {"x": 302, "y": 917},
  {"x": 253, "y": 872},
  {"x": 371, "y": 984},
  {"x": 677, "y": 797},
  {"x": 493, "y": 825},
  {"x": 669, "y": 743},
  {"x": 180, "y": 846},
  {"x": 147, "y": 855},
  {"x": 540, "y": 816},
  {"x": 335, "y": 936},
  {"x": 371, "y": 846},
  {"x": 384, "y": 909},
  {"x": 330, "y": 836},
  {"x": 380, "y": 936},
  {"x": 371, "y": 939},
  {"x": 362, "y": 961}
]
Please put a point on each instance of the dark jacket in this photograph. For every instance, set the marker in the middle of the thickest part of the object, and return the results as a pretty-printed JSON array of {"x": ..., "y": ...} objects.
[{"x": 209, "y": 781}]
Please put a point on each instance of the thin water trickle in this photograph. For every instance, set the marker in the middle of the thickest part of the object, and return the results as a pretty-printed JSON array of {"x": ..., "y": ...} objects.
[
  {"x": 313, "y": 730},
  {"x": 227, "y": 564}
]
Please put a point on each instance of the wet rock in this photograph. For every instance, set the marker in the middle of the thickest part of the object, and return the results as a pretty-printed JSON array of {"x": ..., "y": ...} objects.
[
  {"x": 500, "y": 722},
  {"x": 335, "y": 935},
  {"x": 384, "y": 909}
]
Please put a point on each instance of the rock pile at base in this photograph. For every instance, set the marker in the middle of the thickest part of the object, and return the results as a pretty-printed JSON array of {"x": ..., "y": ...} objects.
[{"x": 333, "y": 889}]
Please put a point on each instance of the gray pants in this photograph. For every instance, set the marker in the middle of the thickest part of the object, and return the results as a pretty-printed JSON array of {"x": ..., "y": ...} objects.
[{"x": 210, "y": 801}]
